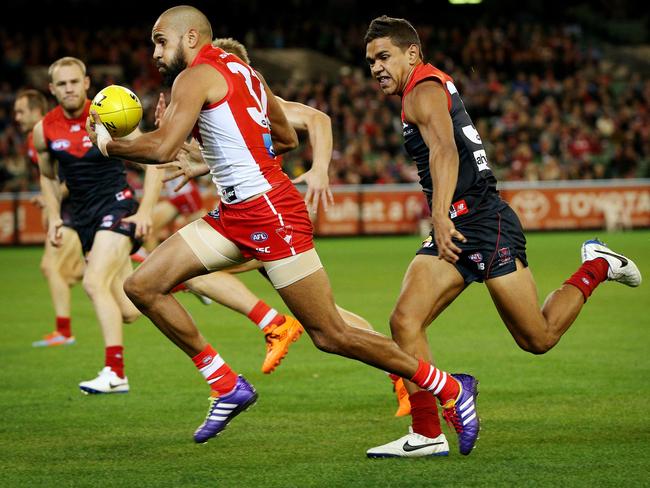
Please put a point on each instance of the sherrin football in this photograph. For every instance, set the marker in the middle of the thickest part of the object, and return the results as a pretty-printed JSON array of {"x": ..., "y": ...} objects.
[{"x": 119, "y": 109}]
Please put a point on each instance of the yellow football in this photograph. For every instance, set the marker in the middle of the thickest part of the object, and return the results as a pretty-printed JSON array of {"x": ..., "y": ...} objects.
[{"x": 119, "y": 109}]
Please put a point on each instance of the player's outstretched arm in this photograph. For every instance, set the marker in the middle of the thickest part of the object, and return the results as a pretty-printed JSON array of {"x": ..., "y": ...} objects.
[
  {"x": 50, "y": 186},
  {"x": 192, "y": 89},
  {"x": 319, "y": 127},
  {"x": 426, "y": 106}
]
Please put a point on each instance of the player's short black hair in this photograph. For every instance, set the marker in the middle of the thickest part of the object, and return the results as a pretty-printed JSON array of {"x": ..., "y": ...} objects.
[
  {"x": 35, "y": 99},
  {"x": 400, "y": 31}
]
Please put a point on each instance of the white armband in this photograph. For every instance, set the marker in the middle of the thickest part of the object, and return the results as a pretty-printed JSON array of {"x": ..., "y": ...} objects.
[{"x": 103, "y": 138}]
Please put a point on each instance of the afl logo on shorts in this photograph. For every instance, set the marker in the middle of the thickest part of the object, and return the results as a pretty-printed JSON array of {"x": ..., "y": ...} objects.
[
  {"x": 60, "y": 145},
  {"x": 259, "y": 236}
]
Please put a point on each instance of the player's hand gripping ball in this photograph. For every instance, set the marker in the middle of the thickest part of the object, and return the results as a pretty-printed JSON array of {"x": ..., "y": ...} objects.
[{"x": 119, "y": 109}]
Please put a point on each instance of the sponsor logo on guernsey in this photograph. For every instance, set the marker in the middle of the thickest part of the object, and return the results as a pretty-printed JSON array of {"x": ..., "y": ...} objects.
[
  {"x": 263, "y": 250},
  {"x": 259, "y": 236},
  {"x": 75, "y": 128},
  {"x": 123, "y": 195},
  {"x": 472, "y": 134},
  {"x": 60, "y": 144},
  {"x": 86, "y": 142},
  {"x": 228, "y": 194},
  {"x": 458, "y": 208},
  {"x": 481, "y": 160}
]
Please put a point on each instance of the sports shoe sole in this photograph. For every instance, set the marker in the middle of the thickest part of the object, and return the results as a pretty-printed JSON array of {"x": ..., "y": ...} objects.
[{"x": 90, "y": 391}]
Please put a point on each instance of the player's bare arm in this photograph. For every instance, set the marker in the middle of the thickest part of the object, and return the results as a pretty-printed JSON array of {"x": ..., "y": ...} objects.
[
  {"x": 319, "y": 127},
  {"x": 426, "y": 106},
  {"x": 193, "y": 88},
  {"x": 284, "y": 136},
  {"x": 50, "y": 186}
]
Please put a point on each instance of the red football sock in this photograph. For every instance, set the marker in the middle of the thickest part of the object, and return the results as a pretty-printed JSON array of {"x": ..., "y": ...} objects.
[
  {"x": 115, "y": 359},
  {"x": 178, "y": 288},
  {"x": 443, "y": 386},
  {"x": 424, "y": 413},
  {"x": 215, "y": 371},
  {"x": 589, "y": 276},
  {"x": 262, "y": 315},
  {"x": 63, "y": 326}
]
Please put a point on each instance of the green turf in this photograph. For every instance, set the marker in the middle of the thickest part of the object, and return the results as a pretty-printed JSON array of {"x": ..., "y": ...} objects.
[{"x": 577, "y": 416}]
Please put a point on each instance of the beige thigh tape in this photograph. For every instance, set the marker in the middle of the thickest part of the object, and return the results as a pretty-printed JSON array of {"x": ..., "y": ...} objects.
[
  {"x": 285, "y": 272},
  {"x": 213, "y": 250}
]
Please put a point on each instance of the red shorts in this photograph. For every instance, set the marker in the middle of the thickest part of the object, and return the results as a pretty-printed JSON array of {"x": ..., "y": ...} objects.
[
  {"x": 190, "y": 202},
  {"x": 273, "y": 226}
]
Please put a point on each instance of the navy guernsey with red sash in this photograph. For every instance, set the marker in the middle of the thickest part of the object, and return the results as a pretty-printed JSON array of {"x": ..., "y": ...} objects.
[{"x": 475, "y": 190}]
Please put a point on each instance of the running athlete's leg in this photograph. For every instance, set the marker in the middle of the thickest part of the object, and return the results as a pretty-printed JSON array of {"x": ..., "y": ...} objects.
[
  {"x": 163, "y": 214},
  {"x": 429, "y": 286},
  {"x": 226, "y": 289},
  {"x": 534, "y": 330},
  {"x": 55, "y": 266},
  {"x": 149, "y": 288},
  {"x": 105, "y": 262},
  {"x": 311, "y": 301},
  {"x": 70, "y": 257},
  {"x": 129, "y": 311}
]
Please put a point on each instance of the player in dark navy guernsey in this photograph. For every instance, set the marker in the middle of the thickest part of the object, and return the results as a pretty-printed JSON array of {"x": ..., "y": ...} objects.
[
  {"x": 62, "y": 266},
  {"x": 475, "y": 236},
  {"x": 106, "y": 216}
]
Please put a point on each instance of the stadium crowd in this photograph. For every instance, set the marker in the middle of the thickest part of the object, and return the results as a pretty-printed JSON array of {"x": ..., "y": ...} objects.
[{"x": 546, "y": 101}]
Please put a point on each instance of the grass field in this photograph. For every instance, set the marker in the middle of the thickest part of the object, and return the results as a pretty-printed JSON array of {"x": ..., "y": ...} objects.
[{"x": 577, "y": 416}]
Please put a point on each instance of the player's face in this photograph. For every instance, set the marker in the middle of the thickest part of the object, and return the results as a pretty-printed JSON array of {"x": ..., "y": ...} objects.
[
  {"x": 69, "y": 86},
  {"x": 25, "y": 117},
  {"x": 389, "y": 65},
  {"x": 168, "y": 53}
]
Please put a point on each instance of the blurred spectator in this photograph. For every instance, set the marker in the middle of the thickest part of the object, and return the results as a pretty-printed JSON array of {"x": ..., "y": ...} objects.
[{"x": 548, "y": 106}]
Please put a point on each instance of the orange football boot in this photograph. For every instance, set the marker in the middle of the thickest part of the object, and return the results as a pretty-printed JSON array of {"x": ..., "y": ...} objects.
[
  {"x": 404, "y": 405},
  {"x": 278, "y": 340}
]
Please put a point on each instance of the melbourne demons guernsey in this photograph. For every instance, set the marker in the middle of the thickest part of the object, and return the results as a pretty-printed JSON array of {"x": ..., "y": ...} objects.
[
  {"x": 235, "y": 134},
  {"x": 476, "y": 185},
  {"x": 90, "y": 176}
]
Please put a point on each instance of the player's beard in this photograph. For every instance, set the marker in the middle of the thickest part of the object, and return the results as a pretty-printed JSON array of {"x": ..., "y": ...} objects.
[{"x": 174, "y": 68}]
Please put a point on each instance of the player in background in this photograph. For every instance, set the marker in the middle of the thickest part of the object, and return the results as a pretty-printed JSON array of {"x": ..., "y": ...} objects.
[
  {"x": 230, "y": 291},
  {"x": 62, "y": 266},
  {"x": 475, "y": 236},
  {"x": 105, "y": 214},
  {"x": 261, "y": 215}
]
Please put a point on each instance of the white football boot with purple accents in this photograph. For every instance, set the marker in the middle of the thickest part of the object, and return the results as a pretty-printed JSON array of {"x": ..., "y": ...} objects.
[
  {"x": 225, "y": 408},
  {"x": 621, "y": 268},
  {"x": 461, "y": 413}
]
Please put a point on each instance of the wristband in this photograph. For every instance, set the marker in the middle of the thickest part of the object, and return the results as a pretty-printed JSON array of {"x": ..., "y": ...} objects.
[{"x": 103, "y": 138}]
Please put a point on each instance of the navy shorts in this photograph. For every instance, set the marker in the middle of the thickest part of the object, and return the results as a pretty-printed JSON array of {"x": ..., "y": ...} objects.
[
  {"x": 107, "y": 214},
  {"x": 495, "y": 240},
  {"x": 66, "y": 213}
]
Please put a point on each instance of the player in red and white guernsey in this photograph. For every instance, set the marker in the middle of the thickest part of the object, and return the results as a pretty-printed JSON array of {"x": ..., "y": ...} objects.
[
  {"x": 230, "y": 111},
  {"x": 62, "y": 266},
  {"x": 475, "y": 237},
  {"x": 106, "y": 218},
  {"x": 225, "y": 288}
]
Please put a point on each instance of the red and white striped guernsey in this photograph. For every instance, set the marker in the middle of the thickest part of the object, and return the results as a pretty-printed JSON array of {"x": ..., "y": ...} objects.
[{"x": 235, "y": 133}]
